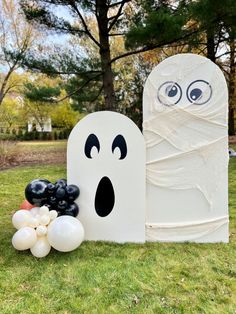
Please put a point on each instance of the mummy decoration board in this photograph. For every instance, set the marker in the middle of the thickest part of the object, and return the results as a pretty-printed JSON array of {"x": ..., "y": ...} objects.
[
  {"x": 106, "y": 159},
  {"x": 185, "y": 105}
]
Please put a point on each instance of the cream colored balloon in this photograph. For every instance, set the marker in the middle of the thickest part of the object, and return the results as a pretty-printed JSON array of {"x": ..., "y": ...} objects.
[
  {"x": 37, "y": 217},
  {"x": 24, "y": 238},
  {"x": 33, "y": 222},
  {"x": 44, "y": 210},
  {"x": 21, "y": 218},
  {"x": 53, "y": 214},
  {"x": 41, "y": 247},
  {"x": 41, "y": 231},
  {"x": 34, "y": 211},
  {"x": 65, "y": 233},
  {"x": 44, "y": 220}
]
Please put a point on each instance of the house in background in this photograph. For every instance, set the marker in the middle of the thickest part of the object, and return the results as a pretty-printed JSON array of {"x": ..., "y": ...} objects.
[{"x": 45, "y": 125}]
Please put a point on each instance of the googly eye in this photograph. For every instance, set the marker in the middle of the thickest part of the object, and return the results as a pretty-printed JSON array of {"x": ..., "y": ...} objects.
[
  {"x": 169, "y": 93},
  {"x": 199, "y": 92}
]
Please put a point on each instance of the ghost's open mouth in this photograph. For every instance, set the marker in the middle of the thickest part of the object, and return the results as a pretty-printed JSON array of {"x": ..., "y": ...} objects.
[{"x": 104, "y": 198}]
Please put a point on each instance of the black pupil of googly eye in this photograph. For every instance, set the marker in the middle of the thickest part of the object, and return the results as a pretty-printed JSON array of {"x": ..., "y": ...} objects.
[
  {"x": 171, "y": 90},
  {"x": 195, "y": 94}
]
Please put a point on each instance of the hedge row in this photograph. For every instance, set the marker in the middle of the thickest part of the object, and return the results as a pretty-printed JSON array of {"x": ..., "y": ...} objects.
[{"x": 32, "y": 136}]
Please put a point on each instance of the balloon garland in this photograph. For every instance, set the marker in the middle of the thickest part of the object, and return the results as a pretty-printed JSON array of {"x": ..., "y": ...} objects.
[
  {"x": 58, "y": 196},
  {"x": 47, "y": 218}
]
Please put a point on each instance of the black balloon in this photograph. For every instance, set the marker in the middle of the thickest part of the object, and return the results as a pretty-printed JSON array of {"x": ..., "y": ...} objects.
[
  {"x": 61, "y": 183},
  {"x": 72, "y": 192},
  {"x": 60, "y": 193},
  {"x": 62, "y": 205},
  {"x": 36, "y": 192},
  {"x": 72, "y": 210},
  {"x": 51, "y": 188},
  {"x": 52, "y": 201},
  {"x": 67, "y": 212}
]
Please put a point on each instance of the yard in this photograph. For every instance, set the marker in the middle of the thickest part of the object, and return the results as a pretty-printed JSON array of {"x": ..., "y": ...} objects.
[
  {"x": 106, "y": 277},
  {"x": 30, "y": 153}
]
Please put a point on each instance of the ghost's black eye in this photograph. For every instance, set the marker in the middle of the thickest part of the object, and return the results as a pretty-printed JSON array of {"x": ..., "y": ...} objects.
[
  {"x": 199, "y": 92},
  {"x": 169, "y": 93},
  {"x": 119, "y": 143},
  {"x": 171, "y": 90},
  {"x": 195, "y": 93},
  {"x": 91, "y": 143}
]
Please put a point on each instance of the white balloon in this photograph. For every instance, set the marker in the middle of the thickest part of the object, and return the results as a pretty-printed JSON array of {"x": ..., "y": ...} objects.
[
  {"x": 41, "y": 247},
  {"x": 44, "y": 220},
  {"x": 24, "y": 238},
  {"x": 44, "y": 210},
  {"x": 33, "y": 222},
  {"x": 21, "y": 218},
  {"x": 65, "y": 233},
  {"x": 53, "y": 214},
  {"x": 37, "y": 217},
  {"x": 41, "y": 230},
  {"x": 34, "y": 211}
]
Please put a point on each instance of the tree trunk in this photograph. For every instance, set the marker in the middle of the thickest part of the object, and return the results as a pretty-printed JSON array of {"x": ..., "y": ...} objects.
[
  {"x": 105, "y": 54},
  {"x": 4, "y": 84},
  {"x": 232, "y": 88},
  {"x": 231, "y": 122},
  {"x": 1, "y": 98},
  {"x": 211, "y": 45}
]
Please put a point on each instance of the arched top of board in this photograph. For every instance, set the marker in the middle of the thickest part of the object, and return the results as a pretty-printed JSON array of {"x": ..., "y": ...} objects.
[
  {"x": 186, "y": 82},
  {"x": 110, "y": 118}
]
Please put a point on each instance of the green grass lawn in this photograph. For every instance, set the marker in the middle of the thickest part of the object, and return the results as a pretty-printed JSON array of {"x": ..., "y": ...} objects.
[{"x": 112, "y": 278}]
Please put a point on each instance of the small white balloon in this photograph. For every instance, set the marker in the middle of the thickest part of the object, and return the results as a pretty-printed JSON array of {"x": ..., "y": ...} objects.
[
  {"x": 24, "y": 238},
  {"x": 21, "y": 218},
  {"x": 34, "y": 211},
  {"x": 44, "y": 210},
  {"x": 41, "y": 231},
  {"x": 65, "y": 233},
  {"x": 53, "y": 214},
  {"x": 41, "y": 247},
  {"x": 33, "y": 222},
  {"x": 44, "y": 220},
  {"x": 37, "y": 217}
]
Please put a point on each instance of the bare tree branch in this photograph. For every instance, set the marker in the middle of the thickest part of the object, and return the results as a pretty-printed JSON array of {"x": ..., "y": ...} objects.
[
  {"x": 16, "y": 38},
  {"x": 148, "y": 48},
  {"x": 117, "y": 3},
  {"x": 119, "y": 13},
  {"x": 116, "y": 17},
  {"x": 10, "y": 88},
  {"x": 99, "y": 93},
  {"x": 4, "y": 84},
  {"x": 223, "y": 54},
  {"x": 116, "y": 34},
  {"x": 86, "y": 30},
  {"x": 79, "y": 89},
  {"x": 220, "y": 39}
]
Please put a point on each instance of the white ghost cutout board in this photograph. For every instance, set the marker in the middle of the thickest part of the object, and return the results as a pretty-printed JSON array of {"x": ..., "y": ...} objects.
[
  {"x": 106, "y": 159},
  {"x": 185, "y": 106}
]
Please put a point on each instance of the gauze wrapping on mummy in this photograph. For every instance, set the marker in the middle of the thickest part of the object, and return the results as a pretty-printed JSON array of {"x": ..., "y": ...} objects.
[{"x": 185, "y": 128}]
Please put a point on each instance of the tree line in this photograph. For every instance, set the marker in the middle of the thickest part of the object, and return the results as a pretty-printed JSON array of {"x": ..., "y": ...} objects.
[{"x": 108, "y": 47}]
